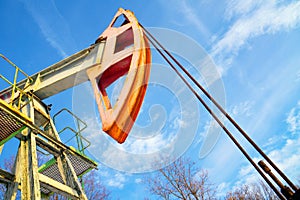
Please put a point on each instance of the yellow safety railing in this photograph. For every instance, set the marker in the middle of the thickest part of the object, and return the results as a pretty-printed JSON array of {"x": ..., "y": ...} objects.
[{"x": 16, "y": 92}]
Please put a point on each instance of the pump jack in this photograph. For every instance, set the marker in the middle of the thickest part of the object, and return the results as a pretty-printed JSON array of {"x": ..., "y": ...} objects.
[{"x": 122, "y": 49}]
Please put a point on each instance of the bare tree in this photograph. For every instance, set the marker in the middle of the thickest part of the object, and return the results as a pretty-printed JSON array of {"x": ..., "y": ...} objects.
[
  {"x": 93, "y": 187},
  {"x": 181, "y": 180},
  {"x": 7, "y": 165},
  {"x": 259, "y": 190}
]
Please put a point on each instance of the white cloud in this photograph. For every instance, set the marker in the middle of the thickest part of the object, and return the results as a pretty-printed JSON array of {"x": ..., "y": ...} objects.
[
  {"x": 138, "y": 180},
  {"x": 268, "y": 101},
  {"x": 147, "y": 146},
  {"x": 223, "y": 187},
  {"x": 253, "y": 19},
  {"x": 287, "y": 158},
  {"x": 293, "y": 119},
  {"x": 242, "y": 109},
  {"x": 190, "y": 14},
  {"x": 270, "y": 144},
  {"x": 210, "y": 135},
  {"x": 236, "y": 7},
  {"x": 117, "y": 181},
  {"x": 52, "y": 25},
  {"x": 134, "y": 155}
]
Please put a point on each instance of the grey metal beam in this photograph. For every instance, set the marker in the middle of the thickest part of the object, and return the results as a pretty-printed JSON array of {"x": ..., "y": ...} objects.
[{"x": 64, "y": 74}]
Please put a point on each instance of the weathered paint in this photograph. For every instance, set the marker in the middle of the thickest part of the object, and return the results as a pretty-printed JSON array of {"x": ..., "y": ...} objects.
[{"x": 127, "y": 54}]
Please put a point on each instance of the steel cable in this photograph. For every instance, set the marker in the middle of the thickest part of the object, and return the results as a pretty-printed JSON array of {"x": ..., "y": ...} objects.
[{"x": 154, "y": 42}]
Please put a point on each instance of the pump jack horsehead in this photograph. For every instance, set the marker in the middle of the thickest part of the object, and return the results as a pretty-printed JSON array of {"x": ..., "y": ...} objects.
[{"x": 126, "y": 52}]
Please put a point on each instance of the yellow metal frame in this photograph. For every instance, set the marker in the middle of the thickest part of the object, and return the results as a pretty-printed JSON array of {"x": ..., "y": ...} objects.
[{"x": 13, "y": 84}]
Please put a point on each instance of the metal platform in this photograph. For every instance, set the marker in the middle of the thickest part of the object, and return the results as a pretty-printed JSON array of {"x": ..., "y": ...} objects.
[
  {"x": 80, "y": 163},
  {"x": 12, "y": 122},
  {"x": 10, "y": 126}
]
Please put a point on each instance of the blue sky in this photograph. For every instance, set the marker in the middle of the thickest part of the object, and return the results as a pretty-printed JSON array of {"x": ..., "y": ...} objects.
[{"x": 254, "y": 47}]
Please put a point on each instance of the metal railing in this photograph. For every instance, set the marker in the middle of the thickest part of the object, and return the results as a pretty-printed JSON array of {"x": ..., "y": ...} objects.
[
  {"x": 82, "y": 142},
  {"x": 16, "y": 93}
]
